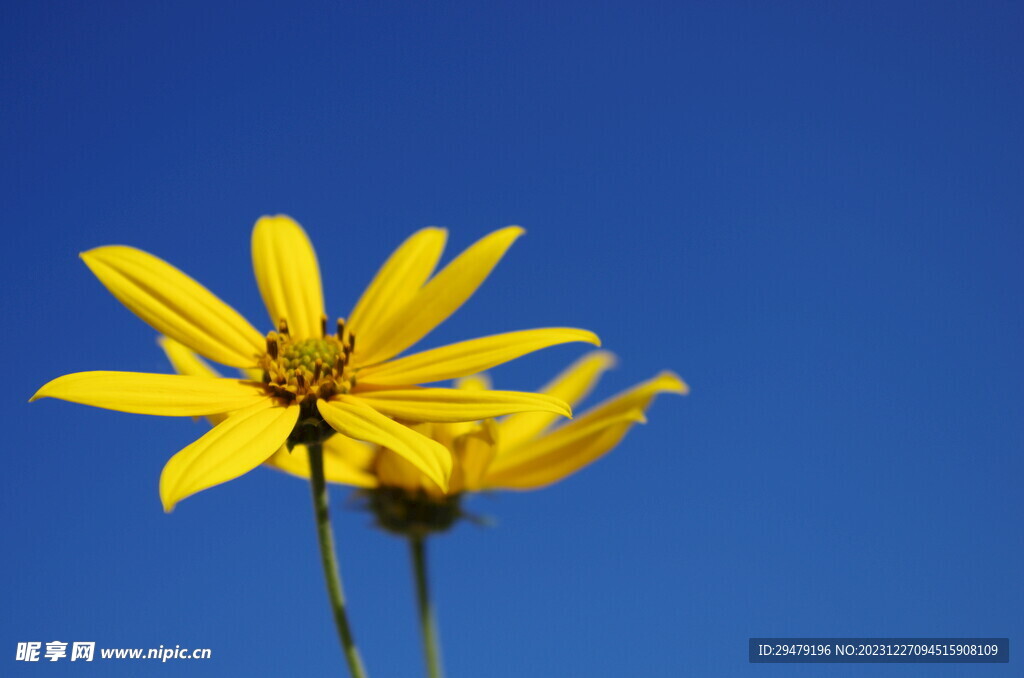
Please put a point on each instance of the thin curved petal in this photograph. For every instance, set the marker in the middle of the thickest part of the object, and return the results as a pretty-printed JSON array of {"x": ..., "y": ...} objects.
[
  {"x": 550, "y": 463},
  {"x": 439, "y": 298},
  {"x": 346, "y": 461},
  {"x": 470, "y": 357},
  {"x": 350, "y": 417},
  {"x": 559, "y": 438},
  {"x": 288, "y": 275},
  {"x": 397, "y": 282},
  {"x": 452, "y": 404},
  {"x": 175, "y": 304},
  {"x": 638, "y": 397},
  {"x": 234, "y": 447},
  {"x": 572, "y": 385},
  {"x": 535, "y": 463},
  {"x": 169, "y": 395}
]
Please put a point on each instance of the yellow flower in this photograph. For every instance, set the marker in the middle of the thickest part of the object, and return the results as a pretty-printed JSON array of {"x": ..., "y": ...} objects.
[
  {"x": 303, "y": 384},
  {"x": 520, "y": 452}
]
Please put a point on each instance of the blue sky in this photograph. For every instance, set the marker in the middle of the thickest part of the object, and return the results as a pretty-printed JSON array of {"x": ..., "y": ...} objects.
[{"x": 811, "y": 211}]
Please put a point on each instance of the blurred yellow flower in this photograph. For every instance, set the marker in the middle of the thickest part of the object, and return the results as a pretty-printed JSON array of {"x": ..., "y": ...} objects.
[
  {"x": 520, "y": 452},
  {"x": 301, "y": 383}
]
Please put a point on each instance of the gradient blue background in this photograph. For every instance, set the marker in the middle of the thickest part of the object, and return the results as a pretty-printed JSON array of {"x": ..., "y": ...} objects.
[{"x": 811, "y": 211}]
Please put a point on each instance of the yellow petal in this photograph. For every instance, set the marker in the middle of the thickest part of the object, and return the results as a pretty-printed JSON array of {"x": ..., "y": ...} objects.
[
  {"x": 288, "y": 275},
  {"x": 572, "y": 386},
  {"x": 474, "y": 382},
  {"x": 348, "y": 416},
  {"x": 393, "y": 470},
  {"x": 557, "y": 456},
  {"x": 184, "y": 360},
  {"x": 346, "y": 461},
  {"x": 447, "y": 433},
  {"x": 169, "y": 395},
  {"x": 638, "y": 397},
  {"x": 175, "y": 304},
  {"x": 474, "y": 452},
  {"x": 397, "y": 281},
  {"x": 469, "y": 357},
  {"x": 452, "y": 404},
  {"x": 533, "y": 463},
  {"x": 234, "y": 447},
  {"x": 438, "y": 299},
  {"x": 558, "y": 438}
]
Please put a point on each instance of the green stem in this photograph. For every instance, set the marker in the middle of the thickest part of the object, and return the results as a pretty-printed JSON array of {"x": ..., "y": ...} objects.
[
  {"x": 427, "y": 622},
  {"x": 329, "y": 559}
]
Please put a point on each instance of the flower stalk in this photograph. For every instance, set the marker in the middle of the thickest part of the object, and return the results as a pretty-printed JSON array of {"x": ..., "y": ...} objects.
[
  {"x": 329, "y": 559},
  {"x": 428, "y": 624}
]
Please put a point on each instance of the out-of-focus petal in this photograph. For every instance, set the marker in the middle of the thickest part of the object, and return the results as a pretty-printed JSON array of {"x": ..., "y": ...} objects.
[
  {"x": 557, "y": 456},
  {"x": 474, "y": 451},
  {"x": 346, "y": 461},
  {"x": 572, "y": 386},
  {"x": 638, "y": 397}
]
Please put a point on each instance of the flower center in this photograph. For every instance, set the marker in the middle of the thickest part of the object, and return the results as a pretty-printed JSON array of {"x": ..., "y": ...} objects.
[
  {"x": 307, "y": 369},
  {"x": 414, "y": 513},
  {"x": 305, "y": 354}
]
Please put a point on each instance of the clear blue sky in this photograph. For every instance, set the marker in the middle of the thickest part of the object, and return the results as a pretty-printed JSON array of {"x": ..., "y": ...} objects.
[{"x": 811, "y": 211}]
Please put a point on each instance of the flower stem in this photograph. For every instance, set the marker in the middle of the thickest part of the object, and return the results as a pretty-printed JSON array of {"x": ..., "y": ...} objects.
[
  {"x": 329, "y": 559},
  {"x": 427, "y": 622}
]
